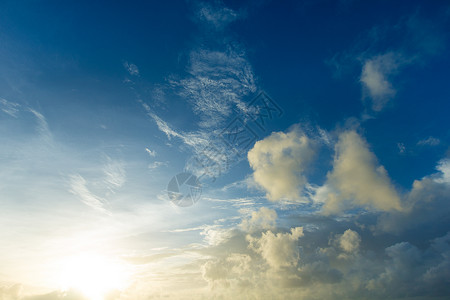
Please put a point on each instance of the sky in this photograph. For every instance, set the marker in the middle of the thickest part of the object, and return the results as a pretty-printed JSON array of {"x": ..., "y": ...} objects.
[{"x": 224, "y": 150}]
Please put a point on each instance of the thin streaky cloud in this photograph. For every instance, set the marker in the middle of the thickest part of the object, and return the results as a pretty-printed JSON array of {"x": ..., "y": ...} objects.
[
  {"x": 10, "y": 108},
  {"x": 430, "y": 141},
  {"x": 78, "y": 187},
  {"x": 152, "y": 153}
]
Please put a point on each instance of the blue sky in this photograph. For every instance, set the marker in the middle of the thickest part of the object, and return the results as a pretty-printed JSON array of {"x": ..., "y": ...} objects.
[{"x": 341, "y": 193}]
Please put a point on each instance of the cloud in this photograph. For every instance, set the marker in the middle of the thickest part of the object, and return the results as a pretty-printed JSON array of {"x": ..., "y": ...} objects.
[
  {"x": 426, "y": 204},
  {"x": 11, "y": 108},
  {"x": 152, "y": 153},
  {"x": 430, "y": 141},
  {"x": 278, "y": 249},
  {"x": 279, "y": 163},
  {"x": 401, "y": 148},
  {"x": 356, "y": 179},
  {"x": 115, "y": 173},
  {"x": 10, "y": 292},
  {"x": 218, "y": 80},
  {"x": 216, "y": 16},
  {"x": 42, "y": 127},
  {"x": 349, "y": 241},
  {"x": 444, "y": 168},
  {"x": 264, "y": 218},
  {"x": 156, "y": 164},
  {"x": 375, "y": 78},
  {"x": 78, "y": 187},
  {"x": 132, "y": 69}
]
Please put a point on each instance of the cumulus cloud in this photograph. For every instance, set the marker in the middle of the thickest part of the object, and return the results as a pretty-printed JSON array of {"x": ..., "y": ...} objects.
[
  {"x": 264, "y": 218},
  {"x": 426, "y": 204},
  {"x": 349, "y": 241},
  {"x": 356, "y": 179},
  {"x": 278, "y": 249},
  {"x": 279, "y": 163},
  {"x": 444, "y": 168},
  {"x": 375, "y": 78}
]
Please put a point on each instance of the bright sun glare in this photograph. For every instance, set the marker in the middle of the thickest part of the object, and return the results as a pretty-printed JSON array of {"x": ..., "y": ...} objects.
[{"x": 93, "y": 275}]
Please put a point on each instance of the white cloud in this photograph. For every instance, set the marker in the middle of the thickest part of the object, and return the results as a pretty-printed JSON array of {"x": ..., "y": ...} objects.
[
  {"x": 430, "y": 141},
  {"x": 278, "y": 249},
  {"x": 79, "y": 188},
  {"x": 156, "y": 164},
  {"x": 152, "y": 153},
  {"x": 42, "y": 127},
  {"x": 218, "y": 80},
  {"x": 356, "y": 179},
  {"x": 349, "y": 241},
  {"x": 264, "y": 218},
  {"x": 115, "y": 174},
  {"x": 444, "y": 167},
  {"x": 426, "y": 204},
  {"x": 131, "y": 68},
  {"x": 279, "y": 163},
  {"x": 375, "y": 78},
  {"x": 216, "y": 16},
  {"x": 11, "y": 108}
]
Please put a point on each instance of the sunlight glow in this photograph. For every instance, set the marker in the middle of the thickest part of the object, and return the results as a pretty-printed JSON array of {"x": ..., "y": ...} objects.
[{"x": 93, "y": 275}]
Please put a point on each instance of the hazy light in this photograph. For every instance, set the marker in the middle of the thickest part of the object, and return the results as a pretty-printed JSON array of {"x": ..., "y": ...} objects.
[{"x": 93, "y": 275}]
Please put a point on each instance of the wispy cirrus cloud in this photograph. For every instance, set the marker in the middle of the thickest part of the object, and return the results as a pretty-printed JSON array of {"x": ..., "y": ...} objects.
[
  {"x": 78, "y": 187},
  {"x": 430, "y": 141},
  {"x": 152, "y": 153},
  {"x": 10, "y": 108},
  {"x": 115, "y": 175},
  {"x": 215, "y": 15},
  {"x": 157, "y": 164},
  {"x": 219, "y": 77},
  {"x": 218, "y": 81},
  {"x": 132, "y": 69}
]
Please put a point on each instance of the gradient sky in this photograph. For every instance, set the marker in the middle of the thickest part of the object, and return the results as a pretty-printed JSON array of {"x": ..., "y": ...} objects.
[{"x": 341, "y": 190}]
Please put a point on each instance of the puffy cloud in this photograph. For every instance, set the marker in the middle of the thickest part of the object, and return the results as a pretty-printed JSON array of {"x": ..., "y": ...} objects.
[
  {"x": 426, "y": 204},
  {"x": 349, "y": 241},
  {"x": 278, "y": 249},
  {"x": 375, "y": 79},
  {"x": 279, "y": 163},
  {"x": 230, "y": 268},
  {"x": 356, "y": 179},
  {"x": 264, "y": 218},
  {"x": 444, "y": 167}
]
